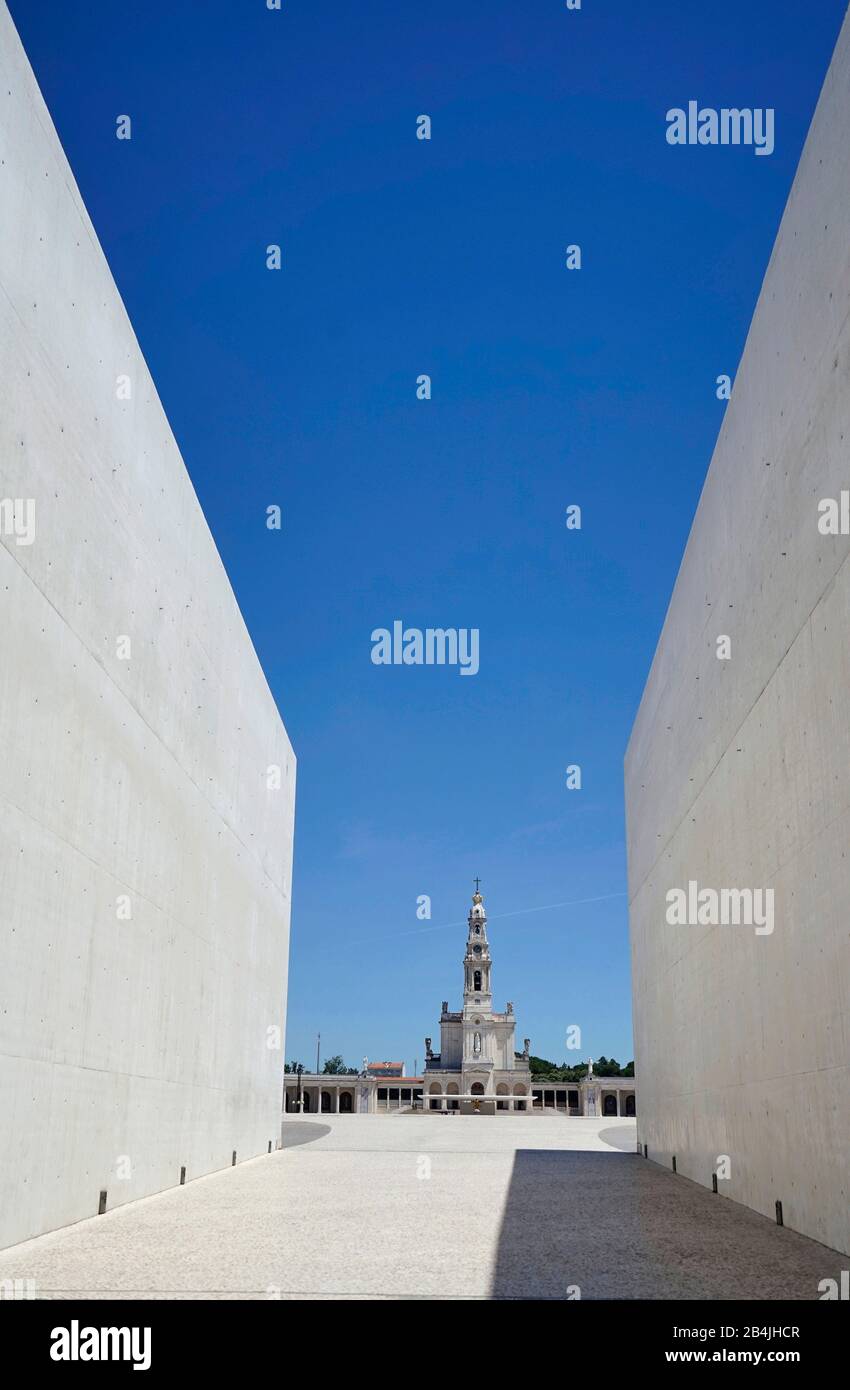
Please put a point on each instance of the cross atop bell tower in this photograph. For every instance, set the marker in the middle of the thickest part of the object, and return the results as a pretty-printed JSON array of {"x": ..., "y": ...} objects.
[{"x": 477, "y": 990}]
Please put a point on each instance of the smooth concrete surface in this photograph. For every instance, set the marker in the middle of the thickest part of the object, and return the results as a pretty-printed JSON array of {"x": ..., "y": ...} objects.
[
  {"x": 401, "y": 1207},
  {"x": 738, "y": 771},
  {"x": 130, "y": 1046}
]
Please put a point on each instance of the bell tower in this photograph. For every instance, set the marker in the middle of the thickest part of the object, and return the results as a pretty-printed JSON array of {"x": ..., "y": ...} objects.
[
  {"x": 477, "y": 987},
  {"x": 477, "y": 1057}
]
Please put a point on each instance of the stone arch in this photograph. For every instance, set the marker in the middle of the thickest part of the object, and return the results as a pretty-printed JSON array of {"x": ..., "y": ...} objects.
[
  {"x": 435, "y": 1092},
  {"x": 609, "y": 1104},
  {"x": 327, "y": 1103},
  {"x": 346, "y": 1103},
  {"x": 630, "y": 1104},
  {"x": 477, "y": 1088}
]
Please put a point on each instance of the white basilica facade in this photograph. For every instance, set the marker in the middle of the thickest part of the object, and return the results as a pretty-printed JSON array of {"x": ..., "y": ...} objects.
[
  {"x": 477, "y": 1067},
  {"x": 476, "y": 1071}
]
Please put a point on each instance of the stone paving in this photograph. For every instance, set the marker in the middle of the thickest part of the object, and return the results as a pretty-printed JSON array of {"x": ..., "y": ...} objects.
[{"x": 402, "y": 1207}]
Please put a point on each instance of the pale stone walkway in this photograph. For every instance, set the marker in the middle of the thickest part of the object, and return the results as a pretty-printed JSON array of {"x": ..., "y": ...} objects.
[{"x": 429, "y": 1207}]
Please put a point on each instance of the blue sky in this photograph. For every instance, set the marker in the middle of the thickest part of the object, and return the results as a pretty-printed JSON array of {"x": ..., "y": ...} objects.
[{"x": 550, "y": 387}]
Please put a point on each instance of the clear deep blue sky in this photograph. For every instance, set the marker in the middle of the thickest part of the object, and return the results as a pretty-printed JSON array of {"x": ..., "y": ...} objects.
[{"x": 549, "y": 388}]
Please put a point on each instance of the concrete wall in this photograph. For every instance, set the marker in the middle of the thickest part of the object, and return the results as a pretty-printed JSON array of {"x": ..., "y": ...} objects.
[
  {"x": 738, "y": 772},
  {"x": 128, "y": 1048}
]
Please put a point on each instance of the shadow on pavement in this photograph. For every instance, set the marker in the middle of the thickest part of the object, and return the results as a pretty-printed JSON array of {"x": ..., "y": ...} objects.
[
  {"x": 302, "y": 1132},
  {"x": 613, "y": 1226},
  {"x": 622, "y": 1137}
]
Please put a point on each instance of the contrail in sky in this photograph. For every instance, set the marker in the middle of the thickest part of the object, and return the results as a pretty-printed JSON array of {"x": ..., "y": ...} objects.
[{"x": 496, "y": 916}]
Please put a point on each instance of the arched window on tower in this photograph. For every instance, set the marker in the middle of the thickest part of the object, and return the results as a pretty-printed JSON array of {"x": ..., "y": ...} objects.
[{"x": 476, "y": 979}]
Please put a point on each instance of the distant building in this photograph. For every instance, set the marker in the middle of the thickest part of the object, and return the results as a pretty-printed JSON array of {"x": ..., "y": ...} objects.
[
  {"x": 477, "y": 1069},
  {"x": 477, "y": 1057},
  {"x": 606, "y": 1097},
  {"x": 347, "y": 1095}
]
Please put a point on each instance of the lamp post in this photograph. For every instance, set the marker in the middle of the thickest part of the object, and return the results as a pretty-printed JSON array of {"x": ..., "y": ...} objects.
[{"x": 298, "y": 1071}]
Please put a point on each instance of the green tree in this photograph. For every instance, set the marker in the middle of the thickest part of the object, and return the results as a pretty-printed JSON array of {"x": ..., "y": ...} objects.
[
  {"x": 335, "y": 1066},
  {"x": 541, "y": 1069},
  {"x": 607, "y": 1066},
  {"x": 573, "y": 1073}
]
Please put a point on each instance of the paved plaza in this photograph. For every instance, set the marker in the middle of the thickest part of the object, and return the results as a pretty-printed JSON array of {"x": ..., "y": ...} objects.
[{"x": 420, "y": 1206}]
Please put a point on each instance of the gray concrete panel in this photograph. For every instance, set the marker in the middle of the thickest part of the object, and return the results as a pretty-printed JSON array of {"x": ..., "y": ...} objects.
[
  {"x": 738, "y": 771},
  {"x": 129, "y": 1048}
]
